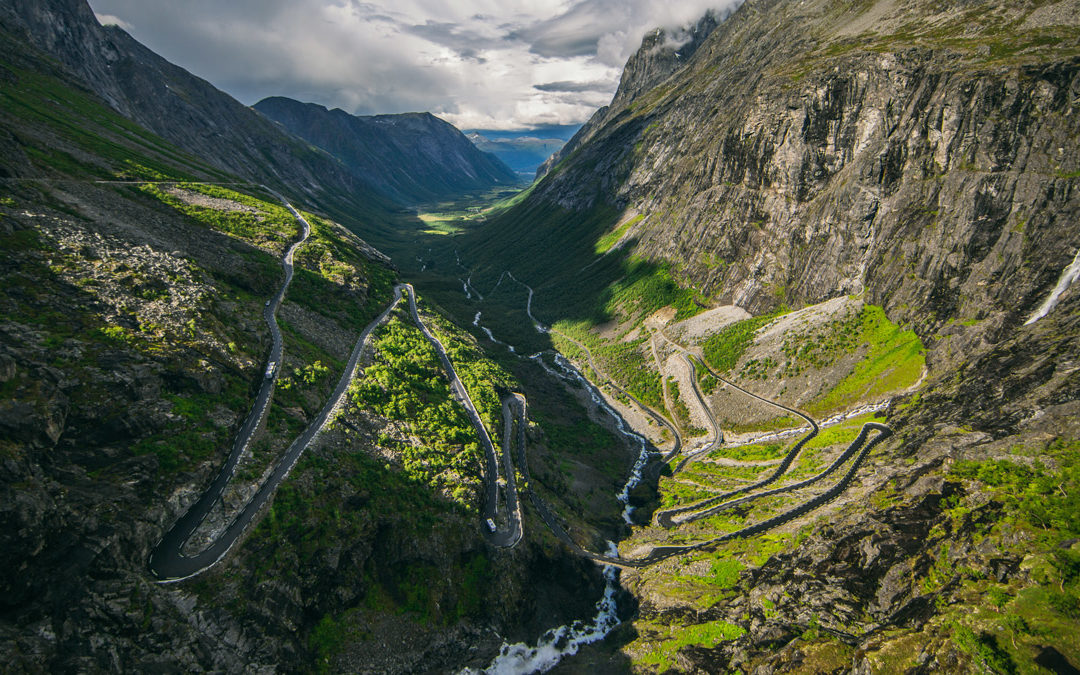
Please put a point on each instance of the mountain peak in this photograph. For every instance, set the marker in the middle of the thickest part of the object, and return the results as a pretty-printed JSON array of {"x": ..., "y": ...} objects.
[{"x": 411, "y": 157}]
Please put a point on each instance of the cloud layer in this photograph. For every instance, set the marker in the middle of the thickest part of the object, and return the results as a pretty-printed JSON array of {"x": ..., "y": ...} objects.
[{"x": 487, "y": 64}]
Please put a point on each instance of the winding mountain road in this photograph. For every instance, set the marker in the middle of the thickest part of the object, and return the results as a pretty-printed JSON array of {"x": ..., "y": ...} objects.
[
  {"x": 167, "y": 562},
  {"x": 857, "y": 451},
  {"x": 718, "y": 433},
  {"x": 511, "y": 534}
]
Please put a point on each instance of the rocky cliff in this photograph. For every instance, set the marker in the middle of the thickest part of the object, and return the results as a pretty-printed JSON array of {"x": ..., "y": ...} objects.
[
  {"x": 925, "y": 162},
  {"x": 410, "y": 157},
  {"x": 662, "y": 53},
  {"x": 917, "y": 156}
]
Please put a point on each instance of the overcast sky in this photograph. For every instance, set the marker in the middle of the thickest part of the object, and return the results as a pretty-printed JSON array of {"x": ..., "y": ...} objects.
[{"x": 479, "y": 64}]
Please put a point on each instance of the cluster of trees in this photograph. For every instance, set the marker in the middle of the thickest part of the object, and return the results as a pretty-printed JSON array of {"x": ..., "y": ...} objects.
[
  {"x": 486, "y": 380},
  {"x": 407, "y": 384}
]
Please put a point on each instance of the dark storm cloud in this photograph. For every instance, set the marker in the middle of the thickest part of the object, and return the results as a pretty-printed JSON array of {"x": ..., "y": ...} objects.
[
  {"x": 466, "y": 43},
  {"x": 573, "y": 87},
  {"x": 576, "y": 32}
]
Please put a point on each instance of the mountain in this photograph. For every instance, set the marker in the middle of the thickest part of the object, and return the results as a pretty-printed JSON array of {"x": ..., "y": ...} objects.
[
  {"x": 137, "y": 283},
  {"x": 661, "y": 54},
  {"x": 856, "y": 214},
  {"x": 410, "y": 157},
  {"x": 841, "y": 207},
  {"x": 523, "y": 154},
  {"x": 188, "y": 111}
]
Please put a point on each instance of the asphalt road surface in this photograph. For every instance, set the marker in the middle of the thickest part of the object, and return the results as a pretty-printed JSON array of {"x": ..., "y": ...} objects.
[
  {"x": 167, "y": 561},
  {"x": 511, "y": 533}
]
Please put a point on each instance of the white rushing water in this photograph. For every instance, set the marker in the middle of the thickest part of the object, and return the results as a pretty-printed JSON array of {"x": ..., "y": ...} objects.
[
  {"x": 491, "y": 336},
  {"x": 557, "y": 643},
  {"x": 1068, "y": 276},
  {"x": 563, "y": 641}
]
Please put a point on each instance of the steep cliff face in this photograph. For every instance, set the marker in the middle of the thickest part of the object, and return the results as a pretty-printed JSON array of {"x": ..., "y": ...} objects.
[
  {"x": 662, "y": 53},
  {"x": 914, "y": 155},
  {"x": 411, "y": 157},
  {"x": 918, "y": 153}
]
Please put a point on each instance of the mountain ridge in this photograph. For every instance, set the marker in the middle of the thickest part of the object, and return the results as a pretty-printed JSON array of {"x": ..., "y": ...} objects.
[
  {"x": 178, "y": 106},
  {"x": 410, "y": 157},
  {"x": 910, "y": 156}
]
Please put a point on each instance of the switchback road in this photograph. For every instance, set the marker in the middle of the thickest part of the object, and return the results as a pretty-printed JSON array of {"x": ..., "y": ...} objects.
[
  {"x": 503, "y": 536},
  {"x": 167, "y": 561}
]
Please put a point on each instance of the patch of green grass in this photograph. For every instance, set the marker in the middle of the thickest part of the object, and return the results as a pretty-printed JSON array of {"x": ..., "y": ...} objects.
[
  {"x": 272, "y": 226},
  {"x": 1037, "y": 519},
  {"x": 724, "y": 348},
  {"x": 328, "y": 639},
  {"x": 984, "y": 650},
  {"x": 662, "y": 654},
  {"x": 42, "y": 98},
  {"x": 895, "y": 359},
  {"x": 682, "y": 413},
  {"x": 647, "y": 288},
  {"x": 604, "y": 244}
]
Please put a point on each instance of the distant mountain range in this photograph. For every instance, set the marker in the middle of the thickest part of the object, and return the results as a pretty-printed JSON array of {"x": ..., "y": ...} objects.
[
  {"x": 410, "y": 157},
  {"x": 523, "y": 154}
]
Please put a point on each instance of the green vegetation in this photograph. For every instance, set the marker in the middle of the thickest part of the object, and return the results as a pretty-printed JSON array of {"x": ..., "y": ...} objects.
[
  {"x": 1034, "y": 515},
  {"x": 485, "y": 379},
  {"x": 624, "y": 362},
  {"x": 895, "y": 359},
  {"x": 981, "y": 37},
  {"x": 604, "y": 244},
  {"x": 710, "y": 634},
  {"x": 723, "y": 573},
  {"x": 821, "y": 348},
  {"x": 334, "y": 499},
  {"x": 42, "y": 98},
  {"x": 197, "y": 437},
  {"x": 259, "y": 223},
  {"x": 328, "y": 638},
  {"x": 407, "y": 384},
  {"x": 646, "y": 288},
  {"x": 724, "y": 348},
  {"x": 682, "y": 413}
]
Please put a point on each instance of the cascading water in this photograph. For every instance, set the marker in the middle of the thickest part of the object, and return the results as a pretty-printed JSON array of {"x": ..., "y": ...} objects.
[
  {"x": 1068, "y": 276},
  {"x": 564, "y": 641}
]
